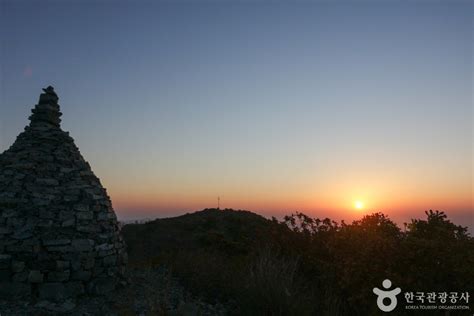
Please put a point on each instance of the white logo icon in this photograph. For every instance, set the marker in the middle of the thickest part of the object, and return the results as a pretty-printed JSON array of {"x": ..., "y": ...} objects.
[{"x": 391, "y": 295}]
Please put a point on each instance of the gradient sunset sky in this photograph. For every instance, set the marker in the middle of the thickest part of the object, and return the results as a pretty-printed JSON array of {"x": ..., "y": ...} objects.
[{"x": 273, "y": 106}]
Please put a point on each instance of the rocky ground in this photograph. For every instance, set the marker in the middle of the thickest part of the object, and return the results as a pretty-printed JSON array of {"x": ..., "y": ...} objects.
[{"x": 150, "y": 292}]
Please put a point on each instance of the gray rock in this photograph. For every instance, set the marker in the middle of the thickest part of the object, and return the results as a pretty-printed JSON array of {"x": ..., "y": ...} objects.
[
  {"x": 19, "y": 248},
  {"x": 53, "y": 212},
  {"x": 68, "y": 222},
  {"x": 58, "y": 276},
  {"x": 89, "y": 263},
  {"x": 105, "y": 253},
  {"x": 81, "y": 275},
  {"x": 104, "y": 247},
  {"x": 82, "y": 244},
  {"x": 110, "y": 261},
  {"x": 52, "y": 291},
  {"x": 5, "y": 230},
  {"x": 103, "y": 286},
  {"x": 81, "y": 207},
  {"x": 84, "y": 215},
  {"x": 45, "y": 223},
  {"x": 5, "y": 258},
  {"x": 52, "y": 182},
  {"x": 67, "y": 215},
  {"x": 61, "y": 249},
  {"x": 20, "y": 277},
  {"x": 18, "y": 266},
  {"x": 35, "y": 276},
  {"x": 9, "y": 213},
  {"x": 14, "y": 290},
  {"x": 62, "y": 265},
  {"x": 5, "y": 275},
  {"x": 22, "y": 234},
  {"x": 56, "y": 242},
  {"x": 88, "y": 228},
  {"x": 63, "y": 307},
  {"x": 46, "y": 214},
  {"x": 73, "y": 289}
]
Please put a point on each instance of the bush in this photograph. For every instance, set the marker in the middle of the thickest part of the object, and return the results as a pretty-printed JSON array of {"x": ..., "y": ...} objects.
[
  {"x": 272, "y": 286},
  {"x": 308, "y": 266}
]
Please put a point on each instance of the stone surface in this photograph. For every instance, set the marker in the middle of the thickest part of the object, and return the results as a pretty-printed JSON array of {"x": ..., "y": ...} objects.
[
  {"x": 18, "y": 266},
  {"x": 150, "y": 292},
  {"x": 59, "y": 235},
  {"x": 58, "y": 276},
  {"x": 52, "y": 291},
  {"x": 35, "y": 276},
  {"x": 14, "y": 290}
]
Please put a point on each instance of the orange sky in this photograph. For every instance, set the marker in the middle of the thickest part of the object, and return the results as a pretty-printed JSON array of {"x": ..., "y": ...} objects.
[{"x": 274, "y": 108}]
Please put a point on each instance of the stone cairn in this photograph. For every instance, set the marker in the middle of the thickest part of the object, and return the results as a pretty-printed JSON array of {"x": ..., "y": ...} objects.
[{"x": 59, "y": 236}]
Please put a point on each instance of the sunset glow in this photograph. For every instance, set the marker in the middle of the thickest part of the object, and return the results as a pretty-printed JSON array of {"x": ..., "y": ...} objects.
[
  {"x": 257, "y": 157},
  {"x": 358, "y": 205},
  {"x": 336, "y": 111}
]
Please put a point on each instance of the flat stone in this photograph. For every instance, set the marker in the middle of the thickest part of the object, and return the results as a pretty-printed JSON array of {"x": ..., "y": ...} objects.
[
  {"x": 69, "y": 222},
  {"x": 14, "y": 290},
  {"x": 103, "y": 286},
  {"x": 81, "y": 207},
  {"x": 52, "y": 182},
  {"x": 70, "y": 198},
  {"x": 74, "y": 289},
  {"x": 62, "y": 307},
  {"x": 102, "y": 216},
  {"x": 5, "y": 230},
  {"x": 5, "y": 275},
  {"x": 35, "y": 276},
  {"x": 75, "y": 265},
  {"x": 18, "y": 266},
  {"x": 110, "y": 261},
  {"x": 62, "y": 265},
  {"x": 19, "y": 248},
  {"x": 105, "y": 253},
  {"x": 52, "y": 291},
  {"x": 46, "y": 214},
  {"x": 66, "y": 215},
  {"x": 62, "y": 249},
  {"x": 9, "y": 213},
  {"x": 58, "y": 276},
  {"x": 45, "y": 223},
  {"x": 88, "y": 228},
  {"x": 81, "y": 275},
  {"x": 104, "y": 247},
  {"x": 20, "y": 277},
  {"x": 15, "y": 222},
  {"x": 98, "y": 270},
  {"x": 82, "y": 244},
  {"x": 5, "y": 258},
  {"x": 89, "y": 263},
  {"x": 46, "y": 265},
  {"x": 84, "y": 215},
  {"x": 22, "y": 234},
  {"x": 56, "y": 242}
]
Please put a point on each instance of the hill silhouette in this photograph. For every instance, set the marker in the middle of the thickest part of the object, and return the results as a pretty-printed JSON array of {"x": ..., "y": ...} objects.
[
  {"x": 303, "y": 265},
  {"x": 228, "y": 231}
]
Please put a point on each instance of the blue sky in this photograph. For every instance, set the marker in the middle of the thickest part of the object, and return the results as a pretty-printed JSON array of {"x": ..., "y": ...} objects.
[{"x": 274, "y": 105}]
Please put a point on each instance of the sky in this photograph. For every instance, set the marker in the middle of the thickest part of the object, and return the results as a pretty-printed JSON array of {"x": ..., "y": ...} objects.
[{"x": 274, "y": 106}]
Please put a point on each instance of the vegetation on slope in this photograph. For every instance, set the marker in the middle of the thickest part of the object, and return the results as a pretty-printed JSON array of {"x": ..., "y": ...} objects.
[{"x": 302, "y": 265}]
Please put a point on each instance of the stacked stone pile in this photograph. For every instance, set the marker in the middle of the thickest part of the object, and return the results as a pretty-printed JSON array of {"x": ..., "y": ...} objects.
[{"x": 59, "y": 236}]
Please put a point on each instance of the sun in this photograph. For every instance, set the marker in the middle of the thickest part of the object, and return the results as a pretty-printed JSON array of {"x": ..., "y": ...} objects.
[{"x": 359, "y": 205}]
